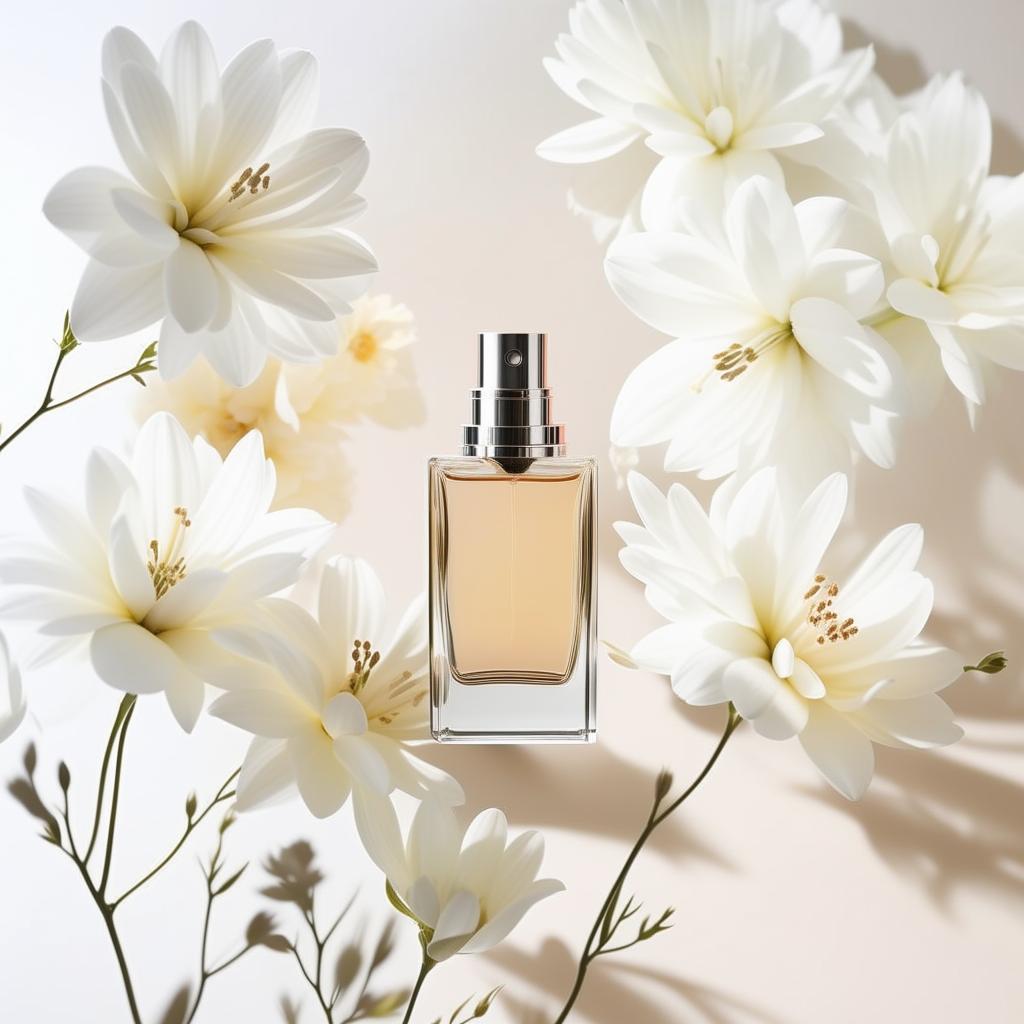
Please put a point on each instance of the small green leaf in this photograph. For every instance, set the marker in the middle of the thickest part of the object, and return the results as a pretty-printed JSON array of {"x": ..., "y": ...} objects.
[
  {"x": 990, "y": 664},
  {"x": 485, "y": 1004},
  {"x": 191, "y": 803},
  {"x": 278, "y": 943},
  {"x": 149, "y": 352},
  {"x": 231, "y": 881},
  {"x": 396, "y": 901},
  {"x": 458, "y": 1009},
  {"x": 63, "y": 776},
  {"x": 227, "y": 821}
]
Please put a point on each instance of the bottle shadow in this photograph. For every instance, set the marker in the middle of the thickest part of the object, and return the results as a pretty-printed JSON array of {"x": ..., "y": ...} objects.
[
  {"x": 604, "y": 795},
  {"x": 617, "y": 990}
]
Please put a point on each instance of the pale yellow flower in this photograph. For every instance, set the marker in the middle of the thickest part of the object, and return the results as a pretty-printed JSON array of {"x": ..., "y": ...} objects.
[{"x": 371, "y": 377}]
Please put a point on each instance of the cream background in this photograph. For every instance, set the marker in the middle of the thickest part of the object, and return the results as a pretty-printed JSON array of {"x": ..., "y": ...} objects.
[{"x": 794, "y": 906}]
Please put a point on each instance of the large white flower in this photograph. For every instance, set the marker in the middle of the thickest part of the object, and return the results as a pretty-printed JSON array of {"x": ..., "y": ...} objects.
[
  {"x": 770, "y": 365},
  {"x": 757, "y": 619},
  {"x": 468, "y": 887},
  {"x": 227, "y": 229},
  {"x": 337, "y": 705},
  {"x": 12, "y": 696},
  {"x": 956, "y": 236},
  {"x": 161, "y": 550},
  {"x": 717, "y": 88}
]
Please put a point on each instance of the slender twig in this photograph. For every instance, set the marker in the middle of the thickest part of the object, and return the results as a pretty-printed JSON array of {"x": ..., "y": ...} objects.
[
  {"x": 143, "y": 365},
  {"x": 222, "y": 794},
  {"x": 205, "y": 972},
  {"x": 604, "y": 916},
  {"x": 426, "y": 965}
]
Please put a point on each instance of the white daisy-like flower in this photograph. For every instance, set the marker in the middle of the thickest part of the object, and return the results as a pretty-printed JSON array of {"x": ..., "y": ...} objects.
[
  {"x": 12, "y": 695},
  {"x": 756, "y": 618},
  {"x": 308, "y": 452},
  {"x": 770, "y": 364},
  {"x": 162, "y": 549},
  {"x": 717, "y": 88},
  {"x": 228, "y": 228},
  {"x": 467, "y": 888},
  {"x": 956, "y": 237},
  {"x": 338, "y": 705}
]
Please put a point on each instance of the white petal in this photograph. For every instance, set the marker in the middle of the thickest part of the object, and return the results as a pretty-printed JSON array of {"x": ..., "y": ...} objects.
[
  {"x": 113, "y": 301},
  {"x": 128, "y": 569},
  {"x": 344, "y": 715},
  {"x": 177, "y": 349},
  {"x": 506, "y": 919},
  {"x": 185, "y": 697},
  {"x": 751, "y": 685},
  {"x": 106, "y": 479},
  {"x": 914, "y": 298},
  {"x": 152, "y": 117},
  {"x": 482, "y": 848},
  {"x": 806, "y": 681},
  {"x": 364, "y": 763},
  {"x": 191, "y": 285},
  {"x": 267, "y": 284},
  {"x": 841, "y": 753},
  {"x": 264, "y": 713},
  {"x": 921, "y": 722},
  {"x": 432, "y": 848},
  {"x": 381, "y": 835},
  {"x": 131, "y": 659},
  {"x": 777, "y": 136},
  {"x": 591, "y": 140},
  {"x": 186, "y": 601},
  {"x": 266, "y": 773},
  {"x": 323, "y": 782},
  {"x": 456, "y": 923},
  {"x": 351, "y": 604},
  {"x": 783, "y": 659}
]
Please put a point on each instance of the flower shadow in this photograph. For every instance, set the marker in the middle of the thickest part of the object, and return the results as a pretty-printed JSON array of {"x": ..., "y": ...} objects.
[{"x": 619, "y": 989}]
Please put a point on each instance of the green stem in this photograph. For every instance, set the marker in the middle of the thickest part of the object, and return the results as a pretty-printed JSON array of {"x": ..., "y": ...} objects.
[
  {"x": 425, "y": 968},
  {"x": 108, "y": 854},
  {"x": 653, "y": 821},
  {"x": 122, "y": 710},
  {"x": 48, "y": 404},
  {"x": 222, "y": 794}
]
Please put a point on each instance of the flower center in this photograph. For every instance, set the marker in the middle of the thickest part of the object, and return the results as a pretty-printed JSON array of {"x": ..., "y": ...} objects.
[
  {"x": 718, "y": 127},
  {"x": 728, "y": 364},
  {"x": 364, "y": 659},
  {"x": 363, "y": 347},
  {"x": 823, "y": 617},
  {"x": 201, "y": 226},
  {"x": 169, "y": 568}
]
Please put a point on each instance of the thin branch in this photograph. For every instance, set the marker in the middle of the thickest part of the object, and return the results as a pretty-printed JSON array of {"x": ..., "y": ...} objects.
[
  {"x": 655, "y": 818},
  {"x": 108, "y": 853},
  {"x": 112, "y": 739},
  {"x": 222, "y": 794}
]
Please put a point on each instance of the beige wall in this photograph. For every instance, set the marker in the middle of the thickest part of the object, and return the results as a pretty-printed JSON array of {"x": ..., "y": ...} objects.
[{"x": 793, "y": 906}]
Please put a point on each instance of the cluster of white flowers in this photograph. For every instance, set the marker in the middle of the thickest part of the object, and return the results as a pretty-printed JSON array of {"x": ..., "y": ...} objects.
[
  {"x": 803, "y": 332},
  {"x": 819, "y": 251},
  {"x": 173, "y": 572}
]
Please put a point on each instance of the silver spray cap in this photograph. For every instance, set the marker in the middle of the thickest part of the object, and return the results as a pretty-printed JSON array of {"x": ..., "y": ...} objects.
[{"x": 511, "y": 404}]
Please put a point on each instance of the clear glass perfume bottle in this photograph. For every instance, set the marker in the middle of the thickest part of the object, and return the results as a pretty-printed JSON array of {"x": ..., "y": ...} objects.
[{"x": 512, "y": 585}]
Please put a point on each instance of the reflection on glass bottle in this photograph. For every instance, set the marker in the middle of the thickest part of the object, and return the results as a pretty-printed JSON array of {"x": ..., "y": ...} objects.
[{"x": 512, "y": 565}]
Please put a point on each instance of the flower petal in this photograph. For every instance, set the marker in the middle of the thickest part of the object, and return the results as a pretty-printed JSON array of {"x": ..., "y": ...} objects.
[
  {"x": 267, "y": 713},
  {"x": 190, "y": 281},
  {"x": 114, "y": 301},
  {"x": 344, "y": 715},
  {"x": 456, "y": 923},
  {"x": 131, "y": 659},
  {"x": 841, "y": 753},
  {"x": 591, "y": 140},
  {"x": 323, "y": 782}
]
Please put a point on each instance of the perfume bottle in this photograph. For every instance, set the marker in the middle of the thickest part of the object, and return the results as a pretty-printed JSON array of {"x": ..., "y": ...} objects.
[{"x": 512, "y": 584}]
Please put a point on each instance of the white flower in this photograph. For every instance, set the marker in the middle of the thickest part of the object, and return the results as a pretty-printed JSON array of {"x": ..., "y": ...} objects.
[
  {"x": 334, "y": 710},
  {"x": 12, "y": 697},
  {"x": 160, "y": 551},
  {"x": 469, "y": 887},
  {"x": 308, "y": 454},
  {"x": 956, "y": 236},
  {"x": 717, "y": 88},
  {"x": 756, "y": 619},
  {"x": 770, "y": 365},
  {"x": 227, "y": 228},
  {"x": 372, "y": 375}
]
